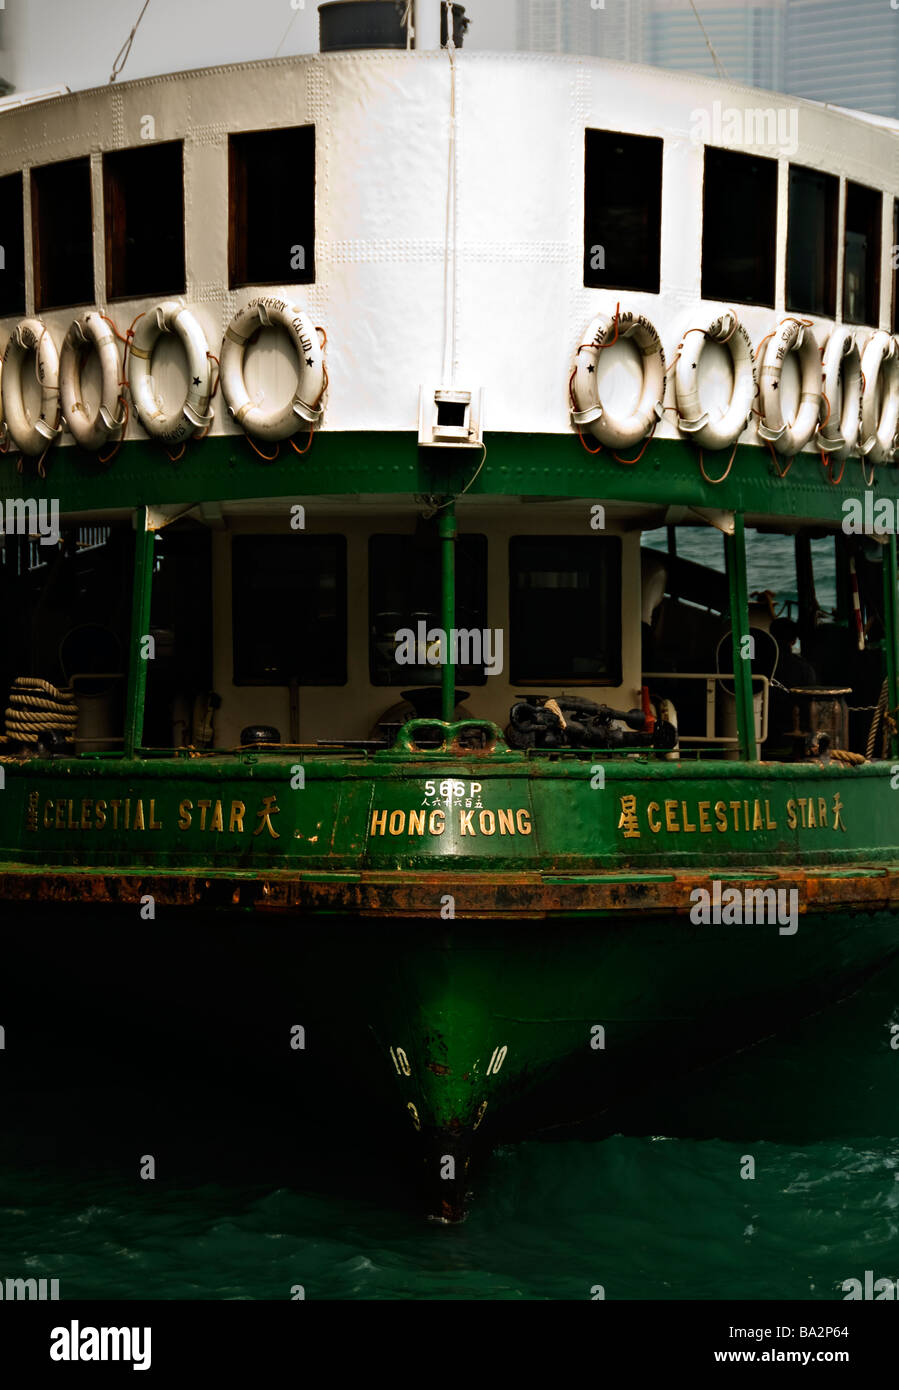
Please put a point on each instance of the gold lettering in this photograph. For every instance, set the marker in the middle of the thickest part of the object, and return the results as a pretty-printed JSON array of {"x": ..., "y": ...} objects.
[
  {"x": 670, "y": 816},
  {"x": 704, "y": 824},
  {"x": 86, "y": 807},
  {"x": 523, "y": 821},
  {"x": 654, "y": 825},
  {"x": 813, "y": 824},
  {"x": 378, "y": 822},
  {"x": 506, "y": 823},
  {"x": 115, "y": 813},
  {"x": 60, "y": 813},
  {"x": 139, "y": 817},
  {"x": 487, "y": 818},
  {"x": 769, "y": 823},
  {"x": 791, "y": 814},
  {"x": 688, "y": 828},
  {"x": 803, "y": 802},
  {"x": 735, "y": 807},
  {"x": 433, "y": 827},
  {"x": 397, "y": 823},
  {"x": 822, "y": 811},
  {"x": 184, "y": 816},
  {"x": 154, "y": 823},
  {"x": 757, "y": 815},
  {"x": 100, "y": 815},
  {"x": 416, "y": 822},
  {"x": 721, "y": 816},
  {"x": 48, "y": 807},
  {"x": 70, "y": 818},
  {"x": 465, "y": 822},
  {"x": 217, "y": 822},
  {"x": 127, "y": 812},
  {"x": 203, "y": 807},
  {"x": 238, "y": 811}
]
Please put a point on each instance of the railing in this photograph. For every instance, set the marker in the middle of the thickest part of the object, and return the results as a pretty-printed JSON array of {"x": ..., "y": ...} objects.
[{"x": 710, "y": 678}]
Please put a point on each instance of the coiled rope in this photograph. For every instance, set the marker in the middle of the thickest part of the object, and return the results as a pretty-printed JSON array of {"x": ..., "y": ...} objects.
[{"x": 36, "y": 707}]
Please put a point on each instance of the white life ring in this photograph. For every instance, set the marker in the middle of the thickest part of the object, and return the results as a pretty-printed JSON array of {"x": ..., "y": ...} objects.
[
  {"x": 790, "y": 336},
  {"x": 589, "y": 410},
  {"x": 880, "y": 368},
  {"x": 838, "y": 434},
  {"x": 694, "y": 421},
  {"x": 31, "y": 436},
  {"x": 90, "y": 430},
  {"x": 281, "y": 421},
  {"x": 193, "y": 412}
]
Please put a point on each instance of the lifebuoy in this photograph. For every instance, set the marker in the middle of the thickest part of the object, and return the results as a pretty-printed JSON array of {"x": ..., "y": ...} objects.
[
  {"x": 790, "y": 336},
  {"x": 589, "y": 410},
  {"x": 193, "y": 412},
  {"x": 839, "y": 429},
  {"x": 694, "y": 421},
  {"x": 90, "y": 429},
  {"x": 280, "y": 421},
  {"x": 880, "y": 368},
  {"x": 31, "y": 436}
]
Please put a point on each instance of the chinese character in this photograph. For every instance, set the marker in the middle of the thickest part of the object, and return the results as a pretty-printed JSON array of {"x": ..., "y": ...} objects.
[
  {"x": 628, "y": 818},
  {"x": 270, "y": 808}
]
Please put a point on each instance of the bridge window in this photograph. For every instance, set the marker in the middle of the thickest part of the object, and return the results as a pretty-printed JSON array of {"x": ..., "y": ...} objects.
[
  {"x": 12, "y": 246},
  {"x": 62, "y": 218},
  {"x": 739, "y": 225},
  {"x": 272, "y": 207},
  {"x": 861, "y": 269},
  {"x": 565, "y": 610},
  {"x": 143, "y": 191},
  {"x": 289, "y": 609},
  {"x": 404, "y": 598},
  {"x": 812, "y": 242},
  {"x": 622, "y": 210}
]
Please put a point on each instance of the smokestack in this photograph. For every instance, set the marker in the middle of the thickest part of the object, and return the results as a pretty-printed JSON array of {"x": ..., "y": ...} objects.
[{"x": 427, "y": 23}]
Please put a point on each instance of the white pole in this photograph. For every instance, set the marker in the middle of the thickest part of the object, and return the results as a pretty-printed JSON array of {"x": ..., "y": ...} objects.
[{"x": 427, "y": 24}]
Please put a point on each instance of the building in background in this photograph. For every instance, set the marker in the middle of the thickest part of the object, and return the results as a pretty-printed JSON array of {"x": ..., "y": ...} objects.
[
  {"x": 842, "y": 51},
  {"x": 6, "y": 84}
]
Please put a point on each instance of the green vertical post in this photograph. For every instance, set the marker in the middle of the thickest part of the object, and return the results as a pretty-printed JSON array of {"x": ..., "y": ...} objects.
[
  {"x": 739, "y": 623},
  {"x": 891, "y": 635},
  {"x": 140, "y": 621},
  {"x": 448, "y": 609}
]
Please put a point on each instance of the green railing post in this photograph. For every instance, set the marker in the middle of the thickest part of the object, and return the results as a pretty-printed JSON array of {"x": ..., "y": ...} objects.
[
  {"x": 739, "y": 624},
  {"x": 891, "y": 635},
  {"x": 140, "y": 621},
  {"x": 448, "y": 610}
]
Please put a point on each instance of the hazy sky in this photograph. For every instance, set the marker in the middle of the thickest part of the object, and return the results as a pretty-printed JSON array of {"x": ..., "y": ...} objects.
[{"x": 75, "y": 42}]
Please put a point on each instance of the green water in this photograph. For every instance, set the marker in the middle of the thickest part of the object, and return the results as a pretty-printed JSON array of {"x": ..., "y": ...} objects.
[{"x": 249, "y": 1201}]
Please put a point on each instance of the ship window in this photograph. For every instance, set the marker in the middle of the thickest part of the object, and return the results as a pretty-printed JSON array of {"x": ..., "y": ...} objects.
[
  {"x": 895, "y": 264},
  {"x": 272, "y": 207},
  {"x": 812, "y": 241},
  {"x": 12, "y": 246},
  {"x": 404, "y": 606},
  {"x": 861, "y": 269},
  {"x": 143, "y": 191},
  {"x": 622, "y": 210},
  {"x": 62, "y": 218},
  {"x": 565, "y": 609},
  {"x": 739, "y": 224},
  {"x": 289, "y": 609}
]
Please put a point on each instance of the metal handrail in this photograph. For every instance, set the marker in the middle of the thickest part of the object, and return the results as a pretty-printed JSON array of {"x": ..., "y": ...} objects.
[{"x": 710, "y": 677}]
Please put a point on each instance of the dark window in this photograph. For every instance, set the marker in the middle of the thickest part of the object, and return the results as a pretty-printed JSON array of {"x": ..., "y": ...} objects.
[
  {"x": 289, "y": 609},
  {"x": 63, "y": 234},
  {"x": 143, "y": 190},
  {"x": 404, "y": 591},
  {"x": 812, "y": 241},
  {"x": 272, "y": 215},
  {"x": 895, "y": 264},
  {"x": 861, "y": 270},
  {"x": 739, "y": 224},
  {"x": 622, "y": 210},
  {"x": 565, "y": 609},
  {"x": 12, "y": 246}
]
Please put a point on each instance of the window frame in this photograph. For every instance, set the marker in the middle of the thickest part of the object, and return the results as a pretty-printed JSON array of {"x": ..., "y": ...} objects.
[
  {"x": 601, "y": 280},
  {"x": 41, "y": 302},
  {"x": 113, "y": 201},
  {"x": 238, "y": 202},
  {"x": 830, "y": 297},
  {"x": 615, "y": 653},
  {"x": 719, "y": 152}
]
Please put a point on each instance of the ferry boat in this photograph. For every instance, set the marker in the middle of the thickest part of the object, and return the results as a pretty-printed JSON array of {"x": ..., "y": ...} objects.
[{"x": 396, "y": 438}]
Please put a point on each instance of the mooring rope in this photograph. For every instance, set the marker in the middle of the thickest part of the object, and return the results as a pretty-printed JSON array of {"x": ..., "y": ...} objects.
[{"x": 36, "y": 707}]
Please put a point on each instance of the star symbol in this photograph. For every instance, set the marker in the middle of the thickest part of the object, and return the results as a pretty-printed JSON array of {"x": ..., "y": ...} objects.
[
  {"x": 309, "y": 361},
  {"x": 591, "y": 368},
  {"x": 196, "y": 381}
]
